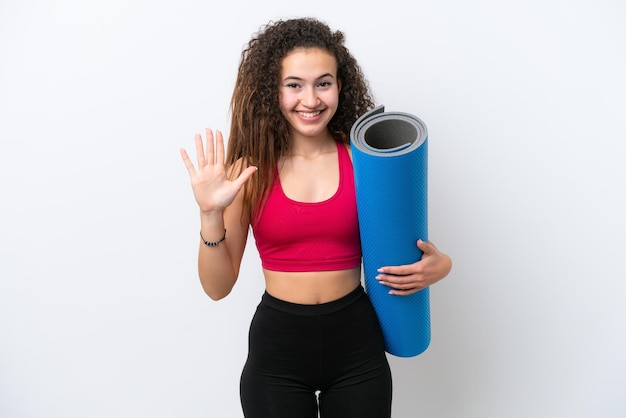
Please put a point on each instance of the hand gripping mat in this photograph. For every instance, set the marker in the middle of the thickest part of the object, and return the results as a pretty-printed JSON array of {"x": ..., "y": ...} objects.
[{"x": 389, "y": 153}]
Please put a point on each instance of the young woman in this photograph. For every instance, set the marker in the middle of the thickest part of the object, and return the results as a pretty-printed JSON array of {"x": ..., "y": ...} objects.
[{"x": 288, "y": 175}]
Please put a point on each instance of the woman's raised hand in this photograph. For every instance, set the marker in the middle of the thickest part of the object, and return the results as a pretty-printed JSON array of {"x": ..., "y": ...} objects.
[{"x": 211, "y": 187}]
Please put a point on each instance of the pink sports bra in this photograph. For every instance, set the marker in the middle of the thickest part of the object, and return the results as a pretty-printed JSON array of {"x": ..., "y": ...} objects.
[{"x": 310, "y": 236}]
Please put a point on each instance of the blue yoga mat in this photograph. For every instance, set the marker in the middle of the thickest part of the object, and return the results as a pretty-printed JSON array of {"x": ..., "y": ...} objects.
[{"x": 390, "y": 159}]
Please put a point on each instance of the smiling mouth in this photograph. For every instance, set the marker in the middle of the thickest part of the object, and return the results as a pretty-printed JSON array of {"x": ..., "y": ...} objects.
[{"x": 309, "y": 114}]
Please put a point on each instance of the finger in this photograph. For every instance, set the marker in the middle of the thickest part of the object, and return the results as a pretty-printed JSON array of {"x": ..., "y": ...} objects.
[
  {"x": 411, "y": 285},
  {"x": 401, "y": 282},
  {"x": 397, "y": 270},
  {"x": 210, "y": 147},
  {"x": 219, "y": 151},
  {"x": 245, "y": 176},
  {"x": 426, "y": 246},
  {"x": 200, "y": 151},
  {"x": 187, "y": 161},
  {"x": 404, "y": 292},
  {"x": 400, "y": 288}
]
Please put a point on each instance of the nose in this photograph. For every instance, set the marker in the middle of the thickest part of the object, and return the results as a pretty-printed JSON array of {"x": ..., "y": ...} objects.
[{"x": 309, "y": 97}]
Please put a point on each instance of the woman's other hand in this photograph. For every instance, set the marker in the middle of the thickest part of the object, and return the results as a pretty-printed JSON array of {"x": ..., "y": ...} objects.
[{"x": 408, "y": 279}]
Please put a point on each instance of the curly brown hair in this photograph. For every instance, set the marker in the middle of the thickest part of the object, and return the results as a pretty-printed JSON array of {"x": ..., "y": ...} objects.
[{"x": 259, "y": 133}]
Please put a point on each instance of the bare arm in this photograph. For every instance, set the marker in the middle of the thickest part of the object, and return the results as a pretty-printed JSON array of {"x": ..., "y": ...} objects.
[{"x": 220, "y": 201}]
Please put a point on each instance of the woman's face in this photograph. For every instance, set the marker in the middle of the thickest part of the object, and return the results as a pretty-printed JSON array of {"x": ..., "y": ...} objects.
[{"x": 309, "y": 90}]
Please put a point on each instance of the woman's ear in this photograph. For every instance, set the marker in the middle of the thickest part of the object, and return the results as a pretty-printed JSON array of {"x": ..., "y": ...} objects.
[{"x": 338, "y": 84}]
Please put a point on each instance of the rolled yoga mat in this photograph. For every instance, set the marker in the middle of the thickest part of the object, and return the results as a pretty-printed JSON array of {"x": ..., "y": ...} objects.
[{"x": 389, "y": 153}]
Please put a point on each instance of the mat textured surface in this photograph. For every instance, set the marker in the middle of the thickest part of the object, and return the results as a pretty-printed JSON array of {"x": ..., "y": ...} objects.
[{"x": 390, "y": 159}]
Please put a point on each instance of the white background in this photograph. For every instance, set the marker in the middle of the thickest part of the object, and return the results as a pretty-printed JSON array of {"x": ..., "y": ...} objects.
[{"x": 101, "y": 311}]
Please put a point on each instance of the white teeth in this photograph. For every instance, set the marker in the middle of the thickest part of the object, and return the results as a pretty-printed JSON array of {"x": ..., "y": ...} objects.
[{"x": 309, "y": 114}]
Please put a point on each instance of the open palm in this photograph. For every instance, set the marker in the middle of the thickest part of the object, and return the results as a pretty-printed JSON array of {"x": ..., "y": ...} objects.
[{"x": 212, "y": 188}]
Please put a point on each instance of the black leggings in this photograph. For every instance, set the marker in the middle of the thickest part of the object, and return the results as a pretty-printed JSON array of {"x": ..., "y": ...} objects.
[{"x": 335, "y": 349}]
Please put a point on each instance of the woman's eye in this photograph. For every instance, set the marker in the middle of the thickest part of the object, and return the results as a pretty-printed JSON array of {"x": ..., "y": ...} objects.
[
  {"x": 324, "y": 84},
  {"x": 293, "y": 85}
]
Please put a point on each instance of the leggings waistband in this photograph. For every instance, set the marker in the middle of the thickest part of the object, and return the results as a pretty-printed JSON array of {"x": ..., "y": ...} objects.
[{"x": 313, "y": 309}]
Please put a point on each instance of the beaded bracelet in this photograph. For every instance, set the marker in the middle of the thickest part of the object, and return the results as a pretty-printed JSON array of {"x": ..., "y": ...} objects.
[{"x": 213, "y": 243}]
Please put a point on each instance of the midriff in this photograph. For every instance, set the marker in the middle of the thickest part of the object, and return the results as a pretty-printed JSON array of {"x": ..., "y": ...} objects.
[{"x": 311, "y": 288}]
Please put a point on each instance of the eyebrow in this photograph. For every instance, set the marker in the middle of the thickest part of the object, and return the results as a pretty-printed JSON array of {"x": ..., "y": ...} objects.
[{"x": 293, "y": 77}]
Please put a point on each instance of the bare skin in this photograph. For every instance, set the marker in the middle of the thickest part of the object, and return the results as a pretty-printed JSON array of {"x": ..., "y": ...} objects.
[
  {"x": 310, "y": 173},
  {"x": 218, "y": 267}
]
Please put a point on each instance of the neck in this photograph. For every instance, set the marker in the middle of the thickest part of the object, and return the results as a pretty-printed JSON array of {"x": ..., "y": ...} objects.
[{"x": 312, "y": 146}]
